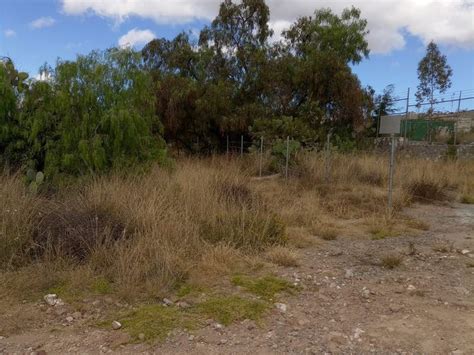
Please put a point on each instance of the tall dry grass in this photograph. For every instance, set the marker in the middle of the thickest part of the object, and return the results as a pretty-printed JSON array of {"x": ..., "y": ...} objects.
[
  {"x": 141, "y": 233},
  {"x": 148, "y": 233}
]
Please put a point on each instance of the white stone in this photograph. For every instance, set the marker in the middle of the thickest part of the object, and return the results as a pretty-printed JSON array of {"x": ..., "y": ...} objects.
[
  {"x": 116, "y": 325},
  {"x": 281, "y": 307},
  {"x": 167, "y": 302},
  {"x": 358, "y": 332},
  {"x": 51, "y": 299}
]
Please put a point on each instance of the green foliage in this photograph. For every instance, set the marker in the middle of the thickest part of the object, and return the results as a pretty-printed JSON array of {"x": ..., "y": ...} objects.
[
  {"x": 156, "y": 321},
  {"x": 266, "y": 287},
  {"x": 228, "y": 309},
  {"x": 434, "y": 74},
  {"x": 110, "y": 109},
  {"x": 91, "y": 115}
]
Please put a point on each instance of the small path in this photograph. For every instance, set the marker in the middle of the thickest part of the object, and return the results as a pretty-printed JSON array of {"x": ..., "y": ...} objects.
[{"x": 348, "y": 303}]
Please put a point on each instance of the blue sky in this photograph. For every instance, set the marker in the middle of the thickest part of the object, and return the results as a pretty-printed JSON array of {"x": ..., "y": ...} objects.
[{"x": 33, "y": 32}]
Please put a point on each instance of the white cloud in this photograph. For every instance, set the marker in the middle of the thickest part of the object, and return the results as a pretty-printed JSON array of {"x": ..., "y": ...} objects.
[
  {"x": 136, "y": 37},
  {"x": 446, "y": 22},
  {"x": 9, "y": 33},
  {"x": 42, "y": 22}
]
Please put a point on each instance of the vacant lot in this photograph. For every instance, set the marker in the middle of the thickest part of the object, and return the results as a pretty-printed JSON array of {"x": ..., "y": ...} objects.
[{"x": 205, "y": 257}]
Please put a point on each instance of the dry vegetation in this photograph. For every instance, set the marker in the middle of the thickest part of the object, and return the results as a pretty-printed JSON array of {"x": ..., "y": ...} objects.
[{"x": 139, "y": 237}]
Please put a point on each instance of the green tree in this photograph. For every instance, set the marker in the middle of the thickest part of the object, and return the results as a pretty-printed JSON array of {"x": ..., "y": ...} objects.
[
  {"x": 343, "y": 36},
  {"x": 12, "y": 88},
  {"x": 434, "y": 75}
]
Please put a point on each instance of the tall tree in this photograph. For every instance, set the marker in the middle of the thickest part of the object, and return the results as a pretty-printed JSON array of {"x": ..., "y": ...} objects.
[{"x": 434, "y": 74}]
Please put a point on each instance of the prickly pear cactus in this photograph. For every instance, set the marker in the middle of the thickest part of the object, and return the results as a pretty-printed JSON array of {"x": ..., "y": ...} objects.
[
  {"x": 39, "y": 179},
  {"x": 34, "y": 180}
]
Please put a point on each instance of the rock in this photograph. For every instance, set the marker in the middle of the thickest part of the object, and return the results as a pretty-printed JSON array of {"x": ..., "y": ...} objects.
[
  {"x": 167, "y": 302},
  {"x": 53, "y": 300},
  {"x": 465, "y": 251},
  {"x": 281, "y": 307},
  {"x": 141, "y": 337},
  {"x": 411, "y": 288},
  {"x": 59, "y": 311},
  {"x": 69, "y": 319},
  {"x": 223, "y": 341},
  {"x": 457, "y": 352},
  {"x": 365, "y": 293},
  {"x": 336, "y": 338},
  {"x": 349, "y": 274},
  {"x": 116, "y": 325},
  {"x": 249, "y": 324},
  {"x": 218, "y": 326},
  {"x": 358, "y": 332},
  {"x": 191, "y": 337},
  {"x": 77, "y": 315},
  {"x": 182, "y": 304},
  {"x": 395, "y": 308}
]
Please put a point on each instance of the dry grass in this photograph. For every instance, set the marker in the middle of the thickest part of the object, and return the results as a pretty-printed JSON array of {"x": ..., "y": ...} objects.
[
  {"x": 204, "y": 219},
  {"x": 391, "y": 261},
  {"x": 282, "y": 256}
]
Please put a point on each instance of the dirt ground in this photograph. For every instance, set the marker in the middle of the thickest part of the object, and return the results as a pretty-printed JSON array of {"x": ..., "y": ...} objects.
[{"x": 348, "y": 303}]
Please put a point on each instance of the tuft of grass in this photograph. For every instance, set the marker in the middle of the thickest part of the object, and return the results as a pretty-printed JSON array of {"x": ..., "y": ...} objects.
[
  {"x": 467, "y": 199},
  {"x": 327, "y": 233},
  {"x": 157, "y": 321},
  {"x": 417, "y": 224},
  {"x": 228, "y": 309},
  {"x": 391, "y": 261},
  {"x": 266, "y": 287},
  {"x": 382, "y": 232},
  {"x": 425, "y": 190},
  {"x": 444, "y": 247},
  {"x": 282, "y": 256},
  {"x": 102, "y": 286}
]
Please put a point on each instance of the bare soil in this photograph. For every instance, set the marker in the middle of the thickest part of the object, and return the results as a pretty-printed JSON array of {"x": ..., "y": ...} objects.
[{"x": 348, "y": 303}]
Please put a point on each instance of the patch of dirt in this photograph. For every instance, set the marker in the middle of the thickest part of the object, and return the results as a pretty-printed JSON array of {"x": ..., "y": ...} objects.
[{"x": 349, "y": 303}]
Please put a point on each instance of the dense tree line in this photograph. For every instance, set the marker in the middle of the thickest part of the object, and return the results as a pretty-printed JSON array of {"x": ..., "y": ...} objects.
[{"x": 118, "y": 107}]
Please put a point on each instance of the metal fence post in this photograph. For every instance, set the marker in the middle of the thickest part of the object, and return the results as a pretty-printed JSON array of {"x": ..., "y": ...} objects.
[
  {"x": 241, "y": 145},
  {"x": 328, "y": 158},
  {"x": 406, "y": 116},
  {"x": 287, "y": 156},
  {"x": 390, "y": 183},
  {"x": 261, "y": 155}
]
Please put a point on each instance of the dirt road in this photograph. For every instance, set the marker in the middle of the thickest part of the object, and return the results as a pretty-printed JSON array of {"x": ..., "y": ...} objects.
[{"x": 348, "y": 303}]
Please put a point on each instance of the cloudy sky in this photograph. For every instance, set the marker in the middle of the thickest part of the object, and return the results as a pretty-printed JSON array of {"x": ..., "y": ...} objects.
[{"x": 36, "y": 31}]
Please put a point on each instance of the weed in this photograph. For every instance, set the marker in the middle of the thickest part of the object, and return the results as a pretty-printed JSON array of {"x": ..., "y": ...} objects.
[
  {"x": 327, "y": 233},
  {"x": 391, "y": 261},
  {"x": 266, "y": 287},
  {"x": 467, "y": 199},
  {"x": 417, "y": 224},
  {"x": 102, "y": 286},
  {"x": 443, "y": 247},
  {"x": 282, "y": 256},
  {"x": 156, "y": 321},
  {"x": 381, "y": 232},
  {"x": 228, "y": 309}
]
